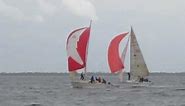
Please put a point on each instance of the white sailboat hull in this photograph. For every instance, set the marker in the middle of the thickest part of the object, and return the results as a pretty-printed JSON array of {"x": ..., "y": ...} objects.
[
  {"x": 131, "y": 81},
  {"x": 87, "y": 84},
  {"x": 135, "y": 83}
]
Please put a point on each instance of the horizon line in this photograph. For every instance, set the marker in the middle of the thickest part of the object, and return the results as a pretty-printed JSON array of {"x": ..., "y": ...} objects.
[{"x": 68, "y": 72}]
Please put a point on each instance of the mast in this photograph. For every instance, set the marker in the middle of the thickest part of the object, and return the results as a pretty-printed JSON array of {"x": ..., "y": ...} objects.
[
  {"x": 123, "y": 59},
  {"x": 85, "y": 70},
  {"x": 125, "y": 50},
  {"x": 121, "y": 75}
]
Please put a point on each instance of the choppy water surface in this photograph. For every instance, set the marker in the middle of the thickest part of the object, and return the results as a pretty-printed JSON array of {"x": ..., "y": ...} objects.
[{"x": 55, "y": 90}]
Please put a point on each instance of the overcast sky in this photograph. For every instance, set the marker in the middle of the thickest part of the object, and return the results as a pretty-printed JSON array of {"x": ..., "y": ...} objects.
[{"x": 33, "y": 33}]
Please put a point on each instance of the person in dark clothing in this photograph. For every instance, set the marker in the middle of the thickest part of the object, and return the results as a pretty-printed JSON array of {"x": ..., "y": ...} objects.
[
  {"x": 128, "y": 76},
  {"x": 103, "y": 81},
  {"x": 146, "y": 80},
  {"x": 92, "y": 79},
  {"x": 82, "y": 76},
  {"x": 141, "y": 79},
  {"x": 98, "y": 79}
]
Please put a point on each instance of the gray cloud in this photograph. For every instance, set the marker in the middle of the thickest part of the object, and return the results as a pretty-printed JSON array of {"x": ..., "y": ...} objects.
[
  {"x": 35, "y": 10},
  {"x": 83, "y": 8},
  {"x": 10, "y": 11},
  {"x": 46, "y": 7}
]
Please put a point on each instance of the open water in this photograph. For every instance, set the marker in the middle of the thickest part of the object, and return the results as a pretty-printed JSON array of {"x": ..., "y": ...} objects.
[{"x": 55, "y": 90}]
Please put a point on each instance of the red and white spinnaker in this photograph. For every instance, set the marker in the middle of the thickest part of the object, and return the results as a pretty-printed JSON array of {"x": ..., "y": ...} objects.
[
  {"x": 77, "y": 47},
  {"x": 115, "y": 60}
]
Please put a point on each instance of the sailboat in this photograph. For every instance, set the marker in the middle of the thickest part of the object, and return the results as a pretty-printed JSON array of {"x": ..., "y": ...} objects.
[
  {"x": 77, "y": 50},
  {"x": 138, "y": 67}
]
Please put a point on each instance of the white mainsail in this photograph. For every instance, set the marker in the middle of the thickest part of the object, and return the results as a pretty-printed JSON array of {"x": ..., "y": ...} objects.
[{"x": 138, "y": 68}]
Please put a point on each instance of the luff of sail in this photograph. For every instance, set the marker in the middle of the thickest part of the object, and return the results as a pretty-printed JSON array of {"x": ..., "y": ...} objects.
[
  {"x": 125, "y": 51},
  {"x": 77, "y": 45},
  {"x": 138, "y": 67},
  {"x": 114, "y": 59}
]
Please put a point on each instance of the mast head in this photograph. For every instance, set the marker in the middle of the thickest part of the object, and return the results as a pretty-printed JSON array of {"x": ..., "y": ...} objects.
[
  {"x": 90, "y": 23},
  {"x": 131, "y": 28}
]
